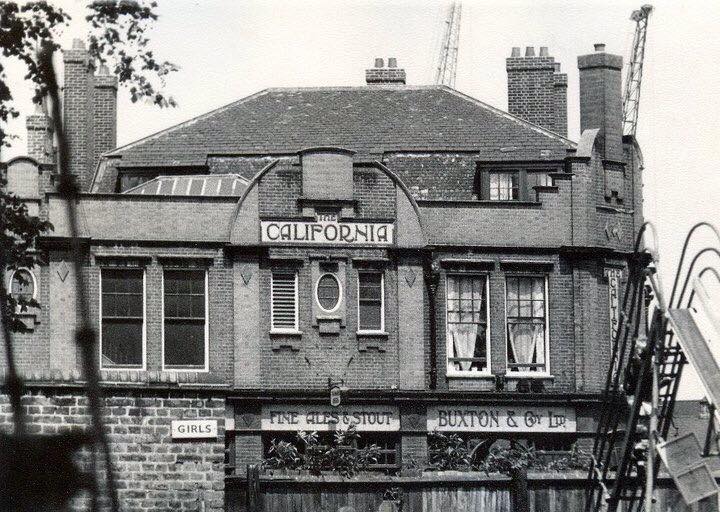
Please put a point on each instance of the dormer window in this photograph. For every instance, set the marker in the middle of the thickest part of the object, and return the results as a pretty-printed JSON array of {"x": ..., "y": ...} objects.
[
  {"x": 507, "y": 182},
  {"x": 504, "y": 186}
]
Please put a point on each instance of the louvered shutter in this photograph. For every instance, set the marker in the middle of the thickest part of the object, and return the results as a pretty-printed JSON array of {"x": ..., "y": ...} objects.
[{"x": 284, "y": 301}]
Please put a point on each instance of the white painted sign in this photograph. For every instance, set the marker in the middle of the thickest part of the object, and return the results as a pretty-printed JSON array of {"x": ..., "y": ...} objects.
[
  {"x": 194, "y": 429},
  {"x": 492, "y": 418},
  {"x": 327, "y": 232},
  {"x": 326, "y": 418},
  {"x": 614, "y": 275}
]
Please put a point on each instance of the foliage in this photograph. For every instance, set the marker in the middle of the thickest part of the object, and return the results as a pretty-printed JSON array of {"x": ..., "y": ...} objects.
[
  {"x": 576, "y": 459},
  {"x": 507, "y": 460},
  {"x": 447, "y": 452},
  {"x": 451, "y": 452},
  {"x": 117, "y": 37},
  {"x": 341, "y": 455},
  {"x": 282, "y": 455},
  {"x": 18, "y": 233}
]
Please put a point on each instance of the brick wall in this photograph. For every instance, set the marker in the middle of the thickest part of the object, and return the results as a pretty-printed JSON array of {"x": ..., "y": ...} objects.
[
  {"x": 561, "y": 337},
  {"x": 601, "y": 101},
  {"x": 77, "y": 103},
  {"x": 39, "y": 138},
  {"x": 153, "y": 471},
  {"x": 104, "y": 117},
  {"x": 279, "y": 190},
  {"x": 531, "y": 91},
  {"x": 309, "y": 359},
  {"x": 374, "y": 193}
]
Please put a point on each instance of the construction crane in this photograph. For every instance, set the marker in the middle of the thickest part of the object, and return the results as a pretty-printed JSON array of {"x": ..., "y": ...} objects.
[
  {"x": 633, "y": 78},
  {"x": 447, "y": 61}
]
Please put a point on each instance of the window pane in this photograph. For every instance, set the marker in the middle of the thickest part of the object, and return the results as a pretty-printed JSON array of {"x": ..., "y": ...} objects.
[
  {"x": 466, "y": 330},
  {"x": 538, "y": 290},
  {"x": 328, "y": 292},
  {"x": 184, "y": 326},
  {"x": 526, "y": 336},
  {"x": 371, "y": 301},
  {"x": 370, "y": 285},
  {"x": 370, "y": 316},
  {"x": 184, "y": 343},
  {"x": 122, "y": 342},
  {"x": 22, "y": 285},
  {"x": 122, "y": 317}
]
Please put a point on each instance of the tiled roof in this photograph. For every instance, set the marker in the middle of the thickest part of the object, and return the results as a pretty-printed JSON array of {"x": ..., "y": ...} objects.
[
  {"x": 193, "y": 185},
  {"x": 368, "y": 120}
]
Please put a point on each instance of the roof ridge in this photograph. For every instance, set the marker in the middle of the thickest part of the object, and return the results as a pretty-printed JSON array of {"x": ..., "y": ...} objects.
[
  {"x": 508, "y": 115},
  {"x": 383, "y": 88},
  {"x": 185, "y": 123}
]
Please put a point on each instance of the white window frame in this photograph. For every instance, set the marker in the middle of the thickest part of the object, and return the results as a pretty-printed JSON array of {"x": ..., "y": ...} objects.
[
  {"x": 143, "y": 367},
  {"x": 12, "y": 277},
  {"x": 284, "y": 330},
  {"x": 546, "y": 373},
  {"x": 487, "y": 372},
  {"x": 317, "y": 298},
  {"x": 382, "y": 303},
  {"x": 206, "y": 366}
]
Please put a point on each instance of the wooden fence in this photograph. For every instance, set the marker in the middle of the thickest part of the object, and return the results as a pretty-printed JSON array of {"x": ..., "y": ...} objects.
[{"x": 431, "y": 492}]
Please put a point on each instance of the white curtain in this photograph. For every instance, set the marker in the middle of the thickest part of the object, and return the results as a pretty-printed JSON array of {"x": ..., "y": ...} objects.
[
  {"x": 463, "y": 340},
  {"x": 527, "y": 340}
]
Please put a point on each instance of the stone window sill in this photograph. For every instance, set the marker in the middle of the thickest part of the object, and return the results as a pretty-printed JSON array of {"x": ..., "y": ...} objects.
[
  {"x": 282, "y": 339},
  {"x": 372, "y": 340}
]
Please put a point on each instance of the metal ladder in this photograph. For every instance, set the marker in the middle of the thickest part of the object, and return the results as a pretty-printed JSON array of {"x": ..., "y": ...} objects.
[{"x": 616, "y": 477}]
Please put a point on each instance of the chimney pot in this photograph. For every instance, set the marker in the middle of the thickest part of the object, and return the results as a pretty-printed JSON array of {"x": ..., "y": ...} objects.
[
  {"x": 103, "y": 70},
  {"x": 392, "y": 62},
  {"x": 544, "y": 51},
  {"x": 530, "y": 51},
  {"x": 557, "y": 67},
  {"x": 379, "y": 63},
  {"x": 599, "y": 47},
  {"x": 515, "y": 51},
  {"x": 78, "y": 44}
]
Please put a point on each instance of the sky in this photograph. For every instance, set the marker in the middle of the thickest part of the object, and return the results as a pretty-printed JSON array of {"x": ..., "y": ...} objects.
[{"x": 229, "y": 49}]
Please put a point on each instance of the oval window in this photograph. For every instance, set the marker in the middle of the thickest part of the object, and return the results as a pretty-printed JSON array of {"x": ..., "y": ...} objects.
[
  {"x": 22, "y": 285},
  {"x": 328, "y": 292}
]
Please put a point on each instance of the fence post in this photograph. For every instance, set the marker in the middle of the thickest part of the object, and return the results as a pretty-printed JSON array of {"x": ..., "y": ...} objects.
[
  {"x": 519, "y": 490},
  {"x": 253, "y": 488}
]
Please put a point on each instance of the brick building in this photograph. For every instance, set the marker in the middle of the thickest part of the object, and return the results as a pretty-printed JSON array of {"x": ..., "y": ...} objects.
[{"x": 445, "y": 265}]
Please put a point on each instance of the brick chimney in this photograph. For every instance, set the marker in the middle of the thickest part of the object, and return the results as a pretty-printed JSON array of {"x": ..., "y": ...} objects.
[
  {"x": 89, "y": 113},
  {"x": 601, "y": 100},
  {"x": 560, "y": 82},
  {"x": 104, "y": 114},
  {"x": 381, "y": 75},
  {"x": 536, "y": 92},
  {"x": 39, "y": 137}
]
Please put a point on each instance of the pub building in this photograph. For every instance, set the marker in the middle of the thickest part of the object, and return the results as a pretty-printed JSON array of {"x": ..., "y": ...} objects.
[{"x": 404, "y": 259}]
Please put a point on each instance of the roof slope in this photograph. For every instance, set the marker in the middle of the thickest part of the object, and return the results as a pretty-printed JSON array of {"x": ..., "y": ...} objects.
[{"x": 368, "y": 120}]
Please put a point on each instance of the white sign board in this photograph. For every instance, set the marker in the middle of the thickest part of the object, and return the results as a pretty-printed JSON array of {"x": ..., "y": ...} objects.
[
  {"x": 324, "y": 418},
  {"x": 501, "y": 419},
  {"x": 194, "y": 429},
  {"x": 614, "y": 275},
  {"x": 327, "y": 232},
  {"x": 684, "y": 462}
]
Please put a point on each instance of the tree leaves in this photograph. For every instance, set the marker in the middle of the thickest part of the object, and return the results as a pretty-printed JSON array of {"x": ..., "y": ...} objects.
[{"x": 118, "y": 38}]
